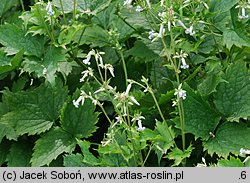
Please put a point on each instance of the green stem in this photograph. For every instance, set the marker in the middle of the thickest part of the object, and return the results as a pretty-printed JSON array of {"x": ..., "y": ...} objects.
[
  {"x": 74, "y": 11},
  {"x": 124, "y": 67},
  {"x": 64, "y": 18},
  {"x": 21, "y": 2},
  {"x": 160, "y": 112},
  {"x": 146, "y": 158}
]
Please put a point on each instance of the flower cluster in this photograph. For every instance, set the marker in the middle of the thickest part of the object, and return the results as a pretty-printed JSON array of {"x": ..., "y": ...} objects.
[
  {"x": 180, "y": 93},
  {"x": 243, "y": 6}
]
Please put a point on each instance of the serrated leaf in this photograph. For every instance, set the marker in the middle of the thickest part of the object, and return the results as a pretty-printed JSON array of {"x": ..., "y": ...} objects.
[
  {"x": 51, "y": 145},
  {"x": 200, "y": 118},
  {"x": 178, "y": 155},
  {"x": 20, "y": 154},
  {"x": 5, "y": 5},
  {"x": 89, "y": 158},
  {"x": 232, "y": 162},
  {"x": 74, "y": 160},
  {"x": 46, "y": 66},
  {"x": 10, "y": 63},
  {"x": 8, "y": 131},
  {"x": 80, "y": 121},
  {"x": 9, "y": 34},
  {"x": 229, "y": 138},
  {"x": 232, "y": 97},
  {"x": 33, "y": 111},
  {"x": 165, "y": 139},
  {"x": 230, "y": 38}
]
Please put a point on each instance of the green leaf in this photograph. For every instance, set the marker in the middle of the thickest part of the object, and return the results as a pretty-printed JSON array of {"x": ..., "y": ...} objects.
[
  {"x": 4, "y": 150},
  {"x": 9, "y": 34},
  {"x": 74, "y": 160},
  {"x": 229, "y": 138},
  {"x": 8, "y": 131},
  {"x": 141, "y": 50},
  {"x": 80, "y": 121},
  {"x": 212, "y": 78},
  {"x": 5, "y": 5},
  {"x": 20, "y": 154},
  {"x": 51, "y": 145},
  {"x": 33, "y": 111},
  {"x": 200, "y": 118},
  {"x": 165, "y": 139},
  {"x": 82, "y": 5},
  {"x": 222, "y": 5},
  {"x": 89, "y": 158},
  {"x": 232, "y": 97},
  {"x": 8, "y": 64},
  {"x": 230, "y": 38},
  {"x": 178, "y": 155},
  {"x": 46, "y": 66},
  {"x": 95, "y": 36},
  {"x": 232, "y": 162}
]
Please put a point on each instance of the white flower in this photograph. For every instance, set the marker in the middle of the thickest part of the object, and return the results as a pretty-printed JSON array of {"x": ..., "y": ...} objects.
[
  {"x": 162, "y": 31},
  {"x": 182, "y": 55},
  {"x": 45, "y": 71},
  {"x": 128, "y": 3},
  {"x": 184, "y": 64},
  {"x": 187, "y": 30},
  {"x": 49, "y": 9},
  {"x": 138, "y": 9},
  {"x": 86, "y": 73},
  {"x": 180, "y": 93},
  {"x": 190, "y": 31},
  {"x": 140, "y": 127},
  {"x": 243, "y": 13},
  {"x": 137, "y": 117},
  {"x": 152, "y": 34},
  {"x": 110, "y": 68},
  {"x": 202, "y": 164},
  {"x": 81, "y": 99},
  {"x": 162, "y": 2},
  {"x": 147, "y": 1},
  {"x": 104, "y": 143},
  {"x": 88, "y": 57},
  {"x": 244, "y": 152}
]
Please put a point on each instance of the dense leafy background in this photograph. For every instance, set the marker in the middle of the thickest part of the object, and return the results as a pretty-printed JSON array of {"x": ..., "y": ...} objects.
[{"x": 41, "y": 64}]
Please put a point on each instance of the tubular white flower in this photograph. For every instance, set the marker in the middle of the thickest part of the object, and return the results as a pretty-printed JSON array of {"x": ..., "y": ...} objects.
[
  {"x": 190, "y": 31},
  {"x": 184, "y": 64},
  {"x": 180, "y": 93},
  {"x": 187, "y": 30},
  {"x": 134, "y": 100},
  {"x": 86, "y": 73},
  {"x": 49, "y": 9},
  {"x": 243, "y": 13},
  {"x": 161, "y": 32},
  {"x": 162, "y": 3},
  {"x": 128, "y": 89},
  {"x": 138, "y": 9},
  {"x": 110, "y": 68},
  {"x": 128, "y": 3},
  {"x": 244, "y": 152},
  {"x": 152, "y": 34},
  {"x": 81, "y": 99},
  {"x": 140, "y": 127},
  {"x": 148, "y": 3},
  {"x": 88, "y": 57}
]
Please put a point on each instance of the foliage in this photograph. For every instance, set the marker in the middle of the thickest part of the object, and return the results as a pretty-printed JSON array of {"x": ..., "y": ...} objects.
[{"x": 120, "y": 83}]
